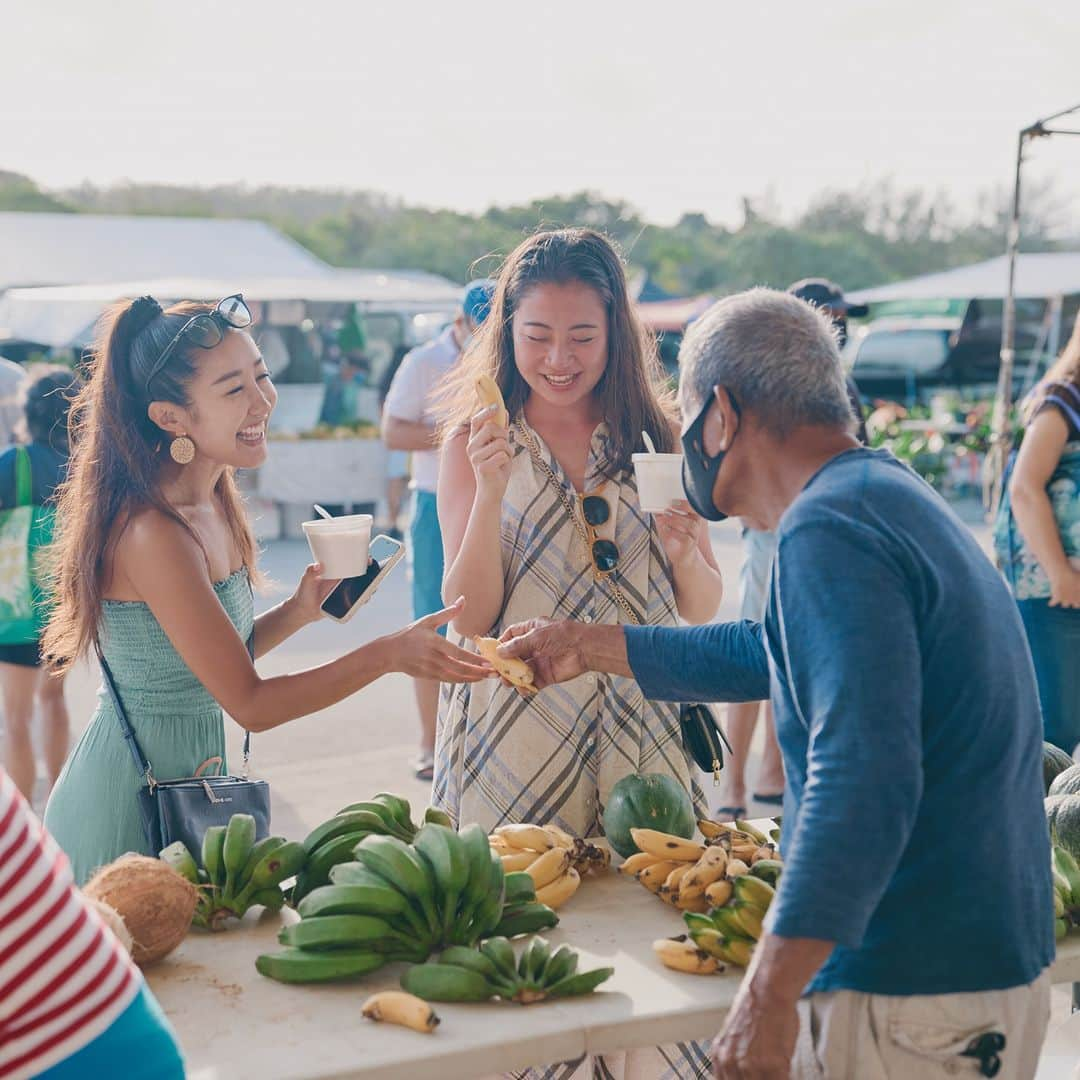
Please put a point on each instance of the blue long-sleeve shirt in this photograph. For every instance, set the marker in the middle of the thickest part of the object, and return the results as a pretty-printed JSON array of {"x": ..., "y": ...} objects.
[{"x": 907, "y": 714}]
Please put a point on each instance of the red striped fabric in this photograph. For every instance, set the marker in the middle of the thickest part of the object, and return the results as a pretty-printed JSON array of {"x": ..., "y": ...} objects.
[{"x": 64, "y": 978}]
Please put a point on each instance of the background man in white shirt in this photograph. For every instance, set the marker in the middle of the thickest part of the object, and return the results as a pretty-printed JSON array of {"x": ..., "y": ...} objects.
[{"x": 408, "y": 424}]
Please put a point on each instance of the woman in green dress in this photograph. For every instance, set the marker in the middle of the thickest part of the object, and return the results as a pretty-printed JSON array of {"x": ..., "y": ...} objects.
[{"x": 154, "y": 564}]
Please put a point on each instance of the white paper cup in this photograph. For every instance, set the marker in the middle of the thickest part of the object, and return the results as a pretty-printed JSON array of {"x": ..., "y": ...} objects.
[
  {"x": 659, "y": 481},
  {"x": 340, "y": 544}
]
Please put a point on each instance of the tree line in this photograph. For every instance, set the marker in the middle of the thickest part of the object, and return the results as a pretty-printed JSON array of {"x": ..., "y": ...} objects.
[{"x": 866, "y": 236}]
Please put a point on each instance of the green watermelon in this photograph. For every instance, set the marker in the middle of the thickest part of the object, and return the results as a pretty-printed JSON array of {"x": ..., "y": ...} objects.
[
  {"x": 1067, "y": 782},
  {"x": 1063, "y": 817},
  {"x": 648, "y": 801},
  {"x": 1055, "y": 761}
]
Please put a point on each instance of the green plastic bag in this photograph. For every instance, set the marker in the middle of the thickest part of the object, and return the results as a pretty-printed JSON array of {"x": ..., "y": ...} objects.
[{"x": 25, "y": 531}]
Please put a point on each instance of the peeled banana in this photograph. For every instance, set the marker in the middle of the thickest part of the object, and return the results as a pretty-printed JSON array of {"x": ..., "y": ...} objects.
[
  {"x": 487, "y": 390},
  {"x": 514, "y": 671}
]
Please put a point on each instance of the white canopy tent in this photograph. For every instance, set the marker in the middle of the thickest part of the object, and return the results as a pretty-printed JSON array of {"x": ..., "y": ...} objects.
[
  {"x": 62, "y": 316},
  {"x": 1038, "y": 276},
  {"x": 61, "y": 249}
]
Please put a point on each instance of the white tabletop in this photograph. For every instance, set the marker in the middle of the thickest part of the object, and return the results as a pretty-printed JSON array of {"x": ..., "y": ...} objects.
[{"x": 229, "y": 1017}]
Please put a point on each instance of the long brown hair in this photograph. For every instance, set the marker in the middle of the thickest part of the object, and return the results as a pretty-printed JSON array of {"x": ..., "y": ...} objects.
[
  {"x": 1065, "y": 369},
  {"x": 631, "y": 390},
  {"x": 116, "y": 463}
]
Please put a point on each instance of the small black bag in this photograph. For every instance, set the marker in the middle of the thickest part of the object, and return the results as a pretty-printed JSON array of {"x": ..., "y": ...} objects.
[
  {"x": 184, "y": 809},
  {"x": 703, "y": 738}
]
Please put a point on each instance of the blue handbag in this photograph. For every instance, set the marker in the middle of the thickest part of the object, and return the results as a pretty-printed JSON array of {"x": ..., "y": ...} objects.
[{"x": 184, "y": 809}]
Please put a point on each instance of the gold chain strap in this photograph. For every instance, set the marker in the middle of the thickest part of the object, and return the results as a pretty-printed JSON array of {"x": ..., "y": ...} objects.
[{"x": 568, "y": 506}]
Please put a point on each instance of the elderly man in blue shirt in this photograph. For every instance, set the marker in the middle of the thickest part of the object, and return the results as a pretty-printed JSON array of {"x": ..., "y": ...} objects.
[{"x": 914, "y": 918}]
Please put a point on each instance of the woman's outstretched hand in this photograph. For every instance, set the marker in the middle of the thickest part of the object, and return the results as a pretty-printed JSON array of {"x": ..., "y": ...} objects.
[{"x": 422, "y": 652}]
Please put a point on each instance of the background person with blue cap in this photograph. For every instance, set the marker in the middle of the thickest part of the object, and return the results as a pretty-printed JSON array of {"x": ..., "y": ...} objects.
[{"x": 408, "y": 423}]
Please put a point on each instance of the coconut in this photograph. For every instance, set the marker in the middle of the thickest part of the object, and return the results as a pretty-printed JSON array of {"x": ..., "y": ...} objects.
[
  {"x": 154, "y": 901},
  {"x": 114, "y": 921}
]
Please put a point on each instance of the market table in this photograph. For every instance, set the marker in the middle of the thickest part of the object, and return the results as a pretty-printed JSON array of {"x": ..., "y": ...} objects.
[{"x": 234, "y": 1022}]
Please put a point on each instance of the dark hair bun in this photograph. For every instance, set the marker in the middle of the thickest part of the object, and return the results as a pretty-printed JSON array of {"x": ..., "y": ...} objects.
[{"x": 142, "y": 312}]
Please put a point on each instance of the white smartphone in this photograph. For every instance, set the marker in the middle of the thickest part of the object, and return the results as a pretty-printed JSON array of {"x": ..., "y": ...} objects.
[{"x": 351, "y": 594}]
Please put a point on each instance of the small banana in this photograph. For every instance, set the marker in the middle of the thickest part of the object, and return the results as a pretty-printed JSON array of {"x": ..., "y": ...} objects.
[
  {"x": 750, "y": 918},
  {"x": 654, "y": 876},
  {"x": 766, "y": 851},
  {"x": 526, "y": 837},
  {"x": 719, "y": 892},
  {"x": 681, "y": 954},
  {"x": 740, "y": 951},
  {"x": 710, "y": 829},
  {"x": 736, "y": 868},
  {"x": 518, "y": 860},
  {"x": 1059, "y": 905},
  {"x": 696, "y": 904},
  {"x": 754, "y": 891},
  {"x": 499, "y": 845},
  {"x": 750, "y": 830},
  {"x": 636, "y": 863},
  {"x": 729, "y": 922},
  {"x": 561, "y": 838},
  {"x": 397, "y": 1007},
  {"x": 549, "y": 866},
  {"x": 666, "y": 845},
  {"x": 768, "y": 870},
  {"x": 671, "y": 882},
  {"x": 557, "y": 892},
  {"x": 709, "y": 868}
]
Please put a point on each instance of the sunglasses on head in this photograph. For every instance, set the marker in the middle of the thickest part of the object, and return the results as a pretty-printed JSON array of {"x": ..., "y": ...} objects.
[
  {"x": 206, "y": 329},
  {"x": 605, "y": 553}
]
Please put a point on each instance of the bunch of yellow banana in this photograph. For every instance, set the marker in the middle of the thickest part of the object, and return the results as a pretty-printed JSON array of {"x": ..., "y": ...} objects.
[
  {"x": 697, "y": 877},
  {"x": 555, "y": 860},
  {"x": 745, "y": 841},
  {"x": 729, "y": 933}
]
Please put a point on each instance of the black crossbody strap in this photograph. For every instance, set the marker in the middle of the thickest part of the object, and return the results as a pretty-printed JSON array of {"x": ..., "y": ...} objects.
[{"x": 142, "y": 762}]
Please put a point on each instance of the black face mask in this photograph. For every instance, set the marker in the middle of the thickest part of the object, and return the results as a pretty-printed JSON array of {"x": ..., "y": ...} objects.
[{"x": 699, "y": 470}]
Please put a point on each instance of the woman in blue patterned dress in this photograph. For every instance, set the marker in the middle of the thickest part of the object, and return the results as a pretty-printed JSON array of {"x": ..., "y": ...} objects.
[{"x": 1038, "y": 541}]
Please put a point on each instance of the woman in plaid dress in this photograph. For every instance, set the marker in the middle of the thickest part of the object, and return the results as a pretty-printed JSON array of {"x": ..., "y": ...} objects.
[{"x": 543, "y": 519}]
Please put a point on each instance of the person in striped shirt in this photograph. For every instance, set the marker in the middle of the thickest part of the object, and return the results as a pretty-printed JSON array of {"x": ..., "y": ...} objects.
[{"x": 72, "y": 1003}]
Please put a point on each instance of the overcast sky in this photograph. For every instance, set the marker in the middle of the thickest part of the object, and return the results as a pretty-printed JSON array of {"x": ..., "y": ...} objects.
[{"x": 675, "y": 106}]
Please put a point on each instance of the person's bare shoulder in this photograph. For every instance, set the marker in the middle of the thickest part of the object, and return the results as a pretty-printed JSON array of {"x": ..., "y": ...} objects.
[{"x": 152, "y": 538}]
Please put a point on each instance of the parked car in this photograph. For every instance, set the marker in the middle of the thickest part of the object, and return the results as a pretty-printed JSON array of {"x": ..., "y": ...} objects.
[{"x": 900, "y": 356}]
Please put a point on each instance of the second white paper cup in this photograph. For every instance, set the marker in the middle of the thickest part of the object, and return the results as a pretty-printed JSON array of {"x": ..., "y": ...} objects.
[{"x": 659, "y": 481}]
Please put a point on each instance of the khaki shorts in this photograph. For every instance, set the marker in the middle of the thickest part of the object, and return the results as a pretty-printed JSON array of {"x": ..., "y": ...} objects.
[{"x": 844, "y": 1035}]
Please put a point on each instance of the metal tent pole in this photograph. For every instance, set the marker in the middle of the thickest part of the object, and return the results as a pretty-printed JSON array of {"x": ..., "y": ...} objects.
[{"x": 999, "y": 445}]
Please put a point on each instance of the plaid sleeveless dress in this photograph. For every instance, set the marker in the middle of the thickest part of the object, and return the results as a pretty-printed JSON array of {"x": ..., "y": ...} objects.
[{"x": 554, "y": 757}]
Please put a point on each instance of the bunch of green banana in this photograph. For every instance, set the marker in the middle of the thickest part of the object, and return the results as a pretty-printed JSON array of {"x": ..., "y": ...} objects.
[
  {"x": 406, "y": 901},
  {"x": 333, "y": 841},
  {"x": 1066, "y": 891},
  {"x": 470, "y": 974},
  {"x": 237, "y": 872},
  {"x": 729, "y": 933}
]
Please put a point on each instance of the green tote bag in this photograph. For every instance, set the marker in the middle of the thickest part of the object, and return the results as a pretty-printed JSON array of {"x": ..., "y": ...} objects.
[{"x": 25, "y": 530}]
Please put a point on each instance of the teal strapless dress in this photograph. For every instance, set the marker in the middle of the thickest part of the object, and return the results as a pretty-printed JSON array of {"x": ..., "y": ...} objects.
[{"x": 93, "y": 812}]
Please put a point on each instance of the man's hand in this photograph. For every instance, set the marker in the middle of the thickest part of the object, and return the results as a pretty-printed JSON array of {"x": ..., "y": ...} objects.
[
  {"x": 757, "y": 1042},
  {"x": 552, "y": 649}
]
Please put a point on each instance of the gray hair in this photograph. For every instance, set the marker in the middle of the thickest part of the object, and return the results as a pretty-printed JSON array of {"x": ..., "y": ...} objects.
[{"x": 775, "y": 353}]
